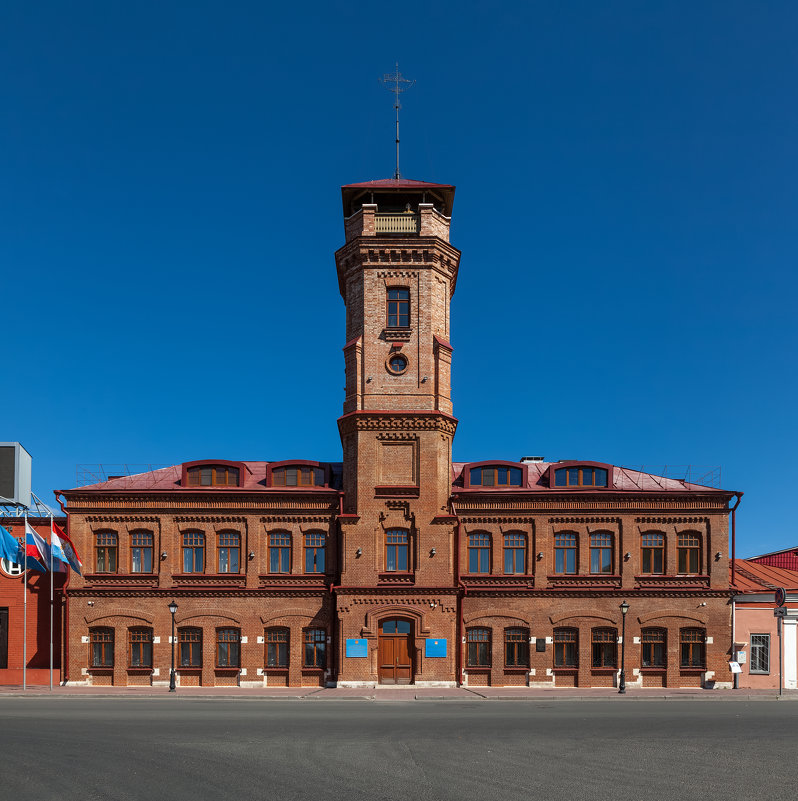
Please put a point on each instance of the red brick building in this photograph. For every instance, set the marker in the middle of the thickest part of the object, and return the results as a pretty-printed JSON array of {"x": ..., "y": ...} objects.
[
  {"x": 399, "y": 565},
  {"x": 12, "y": 602}
]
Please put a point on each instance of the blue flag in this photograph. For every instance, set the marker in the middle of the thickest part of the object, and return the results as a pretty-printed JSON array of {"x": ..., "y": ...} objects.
[{"x": 9, "y": 547}]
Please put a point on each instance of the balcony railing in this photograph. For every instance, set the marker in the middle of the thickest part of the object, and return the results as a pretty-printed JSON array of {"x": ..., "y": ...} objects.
[{"x": 396, "y": 223}]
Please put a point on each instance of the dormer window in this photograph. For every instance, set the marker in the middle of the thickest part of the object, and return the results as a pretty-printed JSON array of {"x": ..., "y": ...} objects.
[
  {"x": 498, "y": 476},
  {"x": 298, "y": 477},
  {"x": 581, "y": 476},
  {"x": 213, "y": 476}
]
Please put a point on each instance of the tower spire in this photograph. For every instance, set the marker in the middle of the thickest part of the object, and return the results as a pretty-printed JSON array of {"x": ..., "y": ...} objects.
[{"x": 397, "y": 84}]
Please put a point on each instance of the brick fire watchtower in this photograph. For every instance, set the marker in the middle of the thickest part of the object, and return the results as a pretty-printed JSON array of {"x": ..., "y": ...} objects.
[{"x": 397, "y": 273}]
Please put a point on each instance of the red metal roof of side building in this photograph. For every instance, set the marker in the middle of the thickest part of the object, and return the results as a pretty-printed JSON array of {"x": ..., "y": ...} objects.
[
  {"x": 787, "y": 558},
  {"x": 754, "y": 577},
  {"x": 624, "y": 479}
]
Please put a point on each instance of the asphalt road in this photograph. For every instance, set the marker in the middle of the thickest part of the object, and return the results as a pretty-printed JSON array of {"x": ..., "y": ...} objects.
[{"x": 222, "y": 749}]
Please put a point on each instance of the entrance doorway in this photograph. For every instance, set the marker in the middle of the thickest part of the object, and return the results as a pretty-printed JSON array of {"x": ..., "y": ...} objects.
[{"x": 395, "y": 652}]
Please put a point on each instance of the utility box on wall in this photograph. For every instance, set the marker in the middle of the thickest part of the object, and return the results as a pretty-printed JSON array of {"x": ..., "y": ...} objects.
[{"x": 15, "y": 474}]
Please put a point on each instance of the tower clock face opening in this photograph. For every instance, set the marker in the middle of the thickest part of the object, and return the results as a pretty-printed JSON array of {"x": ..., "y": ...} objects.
[{"x": 396, "y": 363}]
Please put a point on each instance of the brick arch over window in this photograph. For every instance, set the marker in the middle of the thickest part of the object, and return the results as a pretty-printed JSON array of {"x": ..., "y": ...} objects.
[
  {"x": 298, "y": 616},
  {"x": 213, "y": 614},
  {"x": 504, "y": 621},
  {"x": 122, "y": 613},
  {"x": 588, "y": 615},
  {"x": 662, "y": 618}
]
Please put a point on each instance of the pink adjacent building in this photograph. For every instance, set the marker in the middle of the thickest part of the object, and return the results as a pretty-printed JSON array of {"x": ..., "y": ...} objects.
[{"x": 756, "y": 628}]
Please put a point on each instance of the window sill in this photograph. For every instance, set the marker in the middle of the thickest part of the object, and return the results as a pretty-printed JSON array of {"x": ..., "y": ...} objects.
[
  {"x": 216, "y": 579},
  {"x": 565, "y": 670},
  {"x": 196, "y": 669},
  {"x": 478, "y": 668},
  {"x": 585, "y": 577},
  {"x": 396, "y": 578},
  {"x": 397, "y": 333},
  {"x": 604, "y": 670},
  {"x": 515, "y": 669},
  {"x": 692, "y": 669},
  {"x": 655, "y": 669},
  {"x": 276, "y": 669},
  {"x": 227, "y": 669},
  {"x": 313, "y": 670},
  {"x": 106, "y": 669},
  {"x": 139, "y": 670},
  {"x": 289, "y": 581}
]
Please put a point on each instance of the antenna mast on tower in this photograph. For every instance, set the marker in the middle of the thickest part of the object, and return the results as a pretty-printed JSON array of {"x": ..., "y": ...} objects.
[{"x": 396, "y": 84}]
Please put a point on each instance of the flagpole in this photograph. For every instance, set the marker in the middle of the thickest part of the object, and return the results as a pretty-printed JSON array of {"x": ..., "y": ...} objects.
[
  {"x": 25, "y": 609},
  {"x": 51, "y": 601}
]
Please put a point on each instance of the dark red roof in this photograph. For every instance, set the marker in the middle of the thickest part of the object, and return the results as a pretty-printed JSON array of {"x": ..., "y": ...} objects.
[
  {"x": 168, "y": 479},
  {"x": 396, "y": 183},
  {"x": 352, "y": 194},
  {"x": 624, "y": 479},
  {"x": 254, "y": 476}
]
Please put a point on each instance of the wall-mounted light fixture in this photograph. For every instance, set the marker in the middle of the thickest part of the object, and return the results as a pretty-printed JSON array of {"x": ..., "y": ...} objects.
[
  {"x": 540, "y": 555},
  {"x": 368, "y": 380},
  {"x": 359, "y": 552},
  {"x": 251, "y": 555},
  {"x": 89, "y": 603},
  {"x": 424, "y": 380},
  {"x": 163, "y": 555},
  {"x": 627, "y": 556},
  {"x": 717, "y": 556},
  {"x": 432, "y": 552}
]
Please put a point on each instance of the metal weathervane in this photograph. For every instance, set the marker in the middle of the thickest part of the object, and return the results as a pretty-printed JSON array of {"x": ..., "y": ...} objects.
[{"x": 397, "y": 84}]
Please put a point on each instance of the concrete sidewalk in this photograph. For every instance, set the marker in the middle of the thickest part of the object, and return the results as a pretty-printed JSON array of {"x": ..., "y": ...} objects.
[{"x": 403, "y": 693}]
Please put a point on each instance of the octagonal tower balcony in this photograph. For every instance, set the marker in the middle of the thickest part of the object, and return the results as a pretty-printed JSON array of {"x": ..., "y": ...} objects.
[{"x": 397, "y": 207}]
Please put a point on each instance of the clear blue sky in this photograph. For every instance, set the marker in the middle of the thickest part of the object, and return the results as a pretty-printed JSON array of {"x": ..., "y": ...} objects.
[{"x": 626, "y": 207}]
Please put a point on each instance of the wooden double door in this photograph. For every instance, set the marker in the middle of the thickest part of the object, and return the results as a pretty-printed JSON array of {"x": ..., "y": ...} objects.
[{"x": 395, "y": 652}]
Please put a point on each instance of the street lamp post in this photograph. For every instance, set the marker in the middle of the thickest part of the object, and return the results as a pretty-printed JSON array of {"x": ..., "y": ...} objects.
[
  {"x": 172, "y": 609},
  {"x": 622, "y": 682}
]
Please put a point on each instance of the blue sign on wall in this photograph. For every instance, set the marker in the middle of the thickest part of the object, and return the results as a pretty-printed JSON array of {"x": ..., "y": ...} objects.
[
  {"x": 433, "y": 648},
  {"x": 356, "y": 648}
]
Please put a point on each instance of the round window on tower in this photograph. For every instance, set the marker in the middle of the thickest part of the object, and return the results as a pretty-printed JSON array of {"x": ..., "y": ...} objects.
[{"x": 396, "y": 363}]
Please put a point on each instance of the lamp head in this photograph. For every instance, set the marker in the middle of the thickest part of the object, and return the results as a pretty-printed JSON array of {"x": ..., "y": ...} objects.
[{"x": 173, "y": 607}]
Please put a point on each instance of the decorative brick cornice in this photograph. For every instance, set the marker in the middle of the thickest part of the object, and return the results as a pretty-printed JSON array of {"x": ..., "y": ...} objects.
[
  {"x": 671, "y": 520},
  {"x": 175, "y": 504},
  {"x": 472, "y": 503},
  {"x": 390, "y": 421},
  {"x": 229, "y": 593},
  {"x": 496, "y": 519}
]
